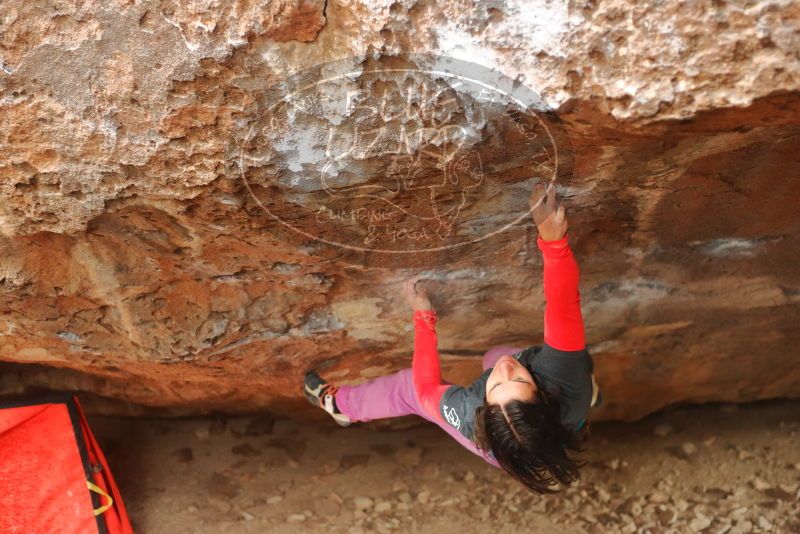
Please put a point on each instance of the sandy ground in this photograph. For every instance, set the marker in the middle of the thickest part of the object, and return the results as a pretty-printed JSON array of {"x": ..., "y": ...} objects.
[{"x": 711, "y": 468}]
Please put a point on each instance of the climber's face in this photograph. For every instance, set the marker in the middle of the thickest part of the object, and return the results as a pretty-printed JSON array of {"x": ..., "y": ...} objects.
[{"x": 509, "y": 380}]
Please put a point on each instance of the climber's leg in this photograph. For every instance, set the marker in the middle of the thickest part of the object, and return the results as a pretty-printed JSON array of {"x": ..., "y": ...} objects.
[
  {"x": 494, "y": 353},
  {"x": 386, "y": 396}
]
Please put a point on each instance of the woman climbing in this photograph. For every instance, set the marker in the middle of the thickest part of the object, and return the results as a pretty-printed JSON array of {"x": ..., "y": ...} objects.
[{"x": 527, "y": 412}]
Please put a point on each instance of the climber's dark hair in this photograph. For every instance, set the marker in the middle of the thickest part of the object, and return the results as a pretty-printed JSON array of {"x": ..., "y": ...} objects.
[{"x": 535, "y": 448}]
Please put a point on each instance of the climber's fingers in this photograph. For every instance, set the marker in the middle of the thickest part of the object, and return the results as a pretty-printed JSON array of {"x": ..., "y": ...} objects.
[
  {"x": 413, "y": 287},
  {"x": 544, "y": 202},
  {"x": 538, "y": 195},
  {"x": 408, "y": 286},
  {"x": 540, "y": 209},
  {"x": 560, "y": 214},
  {"x": 551, "y": 195}
]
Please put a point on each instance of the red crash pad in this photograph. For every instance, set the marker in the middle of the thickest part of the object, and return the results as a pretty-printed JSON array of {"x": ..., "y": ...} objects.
[{"x": 53, "y": 475}]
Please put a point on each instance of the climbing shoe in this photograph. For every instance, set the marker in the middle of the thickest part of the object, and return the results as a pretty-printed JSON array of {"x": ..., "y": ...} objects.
[{"x": 321, "y": 393}]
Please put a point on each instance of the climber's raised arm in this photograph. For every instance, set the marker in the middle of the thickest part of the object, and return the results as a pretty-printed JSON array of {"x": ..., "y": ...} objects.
[
  {"x": 425, "y": 367},
  {"x": 563, "y": 323}
]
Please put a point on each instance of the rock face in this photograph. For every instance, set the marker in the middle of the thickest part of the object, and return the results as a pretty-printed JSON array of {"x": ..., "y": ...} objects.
[{"x": 180, "y": 228}]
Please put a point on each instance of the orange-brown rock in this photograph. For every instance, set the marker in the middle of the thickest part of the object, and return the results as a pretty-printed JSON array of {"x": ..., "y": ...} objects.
[{"x": 142, "y": 262}]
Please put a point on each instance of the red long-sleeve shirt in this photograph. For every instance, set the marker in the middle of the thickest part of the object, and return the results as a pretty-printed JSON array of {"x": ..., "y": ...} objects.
[
  {"x": 563, "y": 323},
  {"x": 425, "y": 367}
]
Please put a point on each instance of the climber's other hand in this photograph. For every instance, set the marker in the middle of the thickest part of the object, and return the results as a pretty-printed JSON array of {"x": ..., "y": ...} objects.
[
  {"x": 416, "y": 295},
  {"x": 548, "y": 214}
]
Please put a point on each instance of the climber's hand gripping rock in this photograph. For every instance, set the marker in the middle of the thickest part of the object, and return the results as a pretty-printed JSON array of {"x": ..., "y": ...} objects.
[
  {"x": 549, "y": 217},
  {"x": 416, "y": 295}
]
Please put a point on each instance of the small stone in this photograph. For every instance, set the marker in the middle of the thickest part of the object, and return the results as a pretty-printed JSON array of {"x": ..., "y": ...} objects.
[
  {"x": 362, "y": 503},
  {"x": 630, "y": 507},
  {"x": 742, "y": 527},
  {"x": 688, "y": 448},
  {"x": 709, "y": 441},
  {"x": 469, "y": 476},
  {"x": 699, "y": 523},
  {"x": 658, "y": 497},
  {"x": 404, "y": 497},
  {"x": 383, "y": 506},
  {"x": 192, "y": 508},
  {"x": 296, "y": 518},
  {"x": 760, "y": 484},
  {"x": 274, "y": 499},
  {"x": 764, "y": 523},
  {"x": 738, "y": 494},
  {"x": 333, "y": 496},
  {"x": 681, "y": 505},
  {"x": 399, "y": 485},
  {"x": 293, "y": 464},
  {"x": 745, "y": 454},
  {"x": 739, "y": 512},
  {"x": 612, "y": 464},
  {"x": 423, "y": 496},
  {"x": 666, "y": 516},
  {"x": 247, "y": 516},
  {"x": 202, "y": 433},
  {"x": 662, "y": 430},
  {"x": 603, "y": 495}
]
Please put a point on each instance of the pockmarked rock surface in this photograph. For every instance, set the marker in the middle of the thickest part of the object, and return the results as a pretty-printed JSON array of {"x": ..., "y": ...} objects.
[{"x": 155, "y": 253}]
